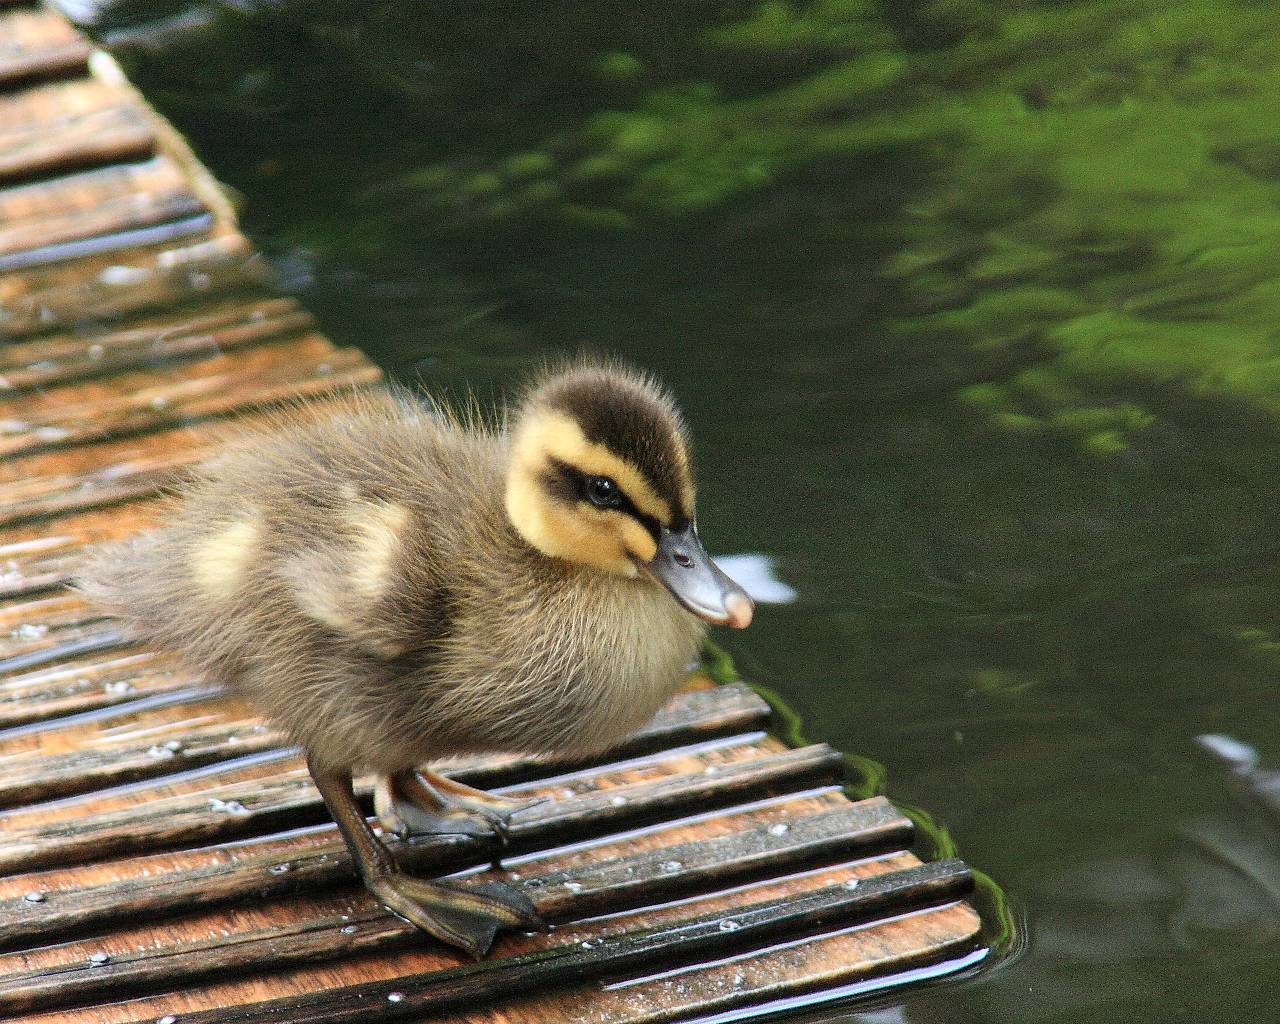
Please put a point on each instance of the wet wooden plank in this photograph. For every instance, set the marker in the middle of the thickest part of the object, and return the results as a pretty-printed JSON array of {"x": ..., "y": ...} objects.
[
  {"x": 426, "y": 994},
  {"x": 70, "y": 124},
  {"x": 72, "y": 415},
  {"x": 791, "y": 977},
  {"x": 37, "y": 556},
  {"x": 41, "y": 498},
  {"x": 221, "y": 327},
  {"x": 40, "y": 219},
  {"x": 34, "y": 566},
  {"x": 99, "y": 288},
  {"x": 80, "y": 485},
  {"x": 38, "y": 44},
  {"x": 71, "y": 482},
  {"x": 313, "y": 858},
  {"x": 60, "y": 622},
  {"x": 137, "y": 743},
  {"x": 621, "y": 875},
  {"x": 255, "y": 795},
  {"x": 198, "y": 725},
  {"x": 80, "y": 684}
]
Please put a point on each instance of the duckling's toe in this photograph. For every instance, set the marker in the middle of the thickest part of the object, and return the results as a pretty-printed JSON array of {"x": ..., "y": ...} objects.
[
  {"x": 465, "y": 918},
  {"x": 497, "y": 810},
  {"x": 411, "y": 804}
]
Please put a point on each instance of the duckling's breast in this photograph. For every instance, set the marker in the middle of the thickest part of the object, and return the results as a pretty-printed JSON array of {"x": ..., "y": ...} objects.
[{"x": 571, "y": 666}]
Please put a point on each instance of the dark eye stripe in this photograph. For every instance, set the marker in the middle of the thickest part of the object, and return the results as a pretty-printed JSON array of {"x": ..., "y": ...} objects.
[{"x": 570, "y": 485}]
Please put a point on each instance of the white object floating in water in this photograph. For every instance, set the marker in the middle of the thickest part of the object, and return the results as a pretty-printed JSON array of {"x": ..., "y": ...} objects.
[
  {"x": 1242, "y": 757},
  {"x": 754, "y": 573}
]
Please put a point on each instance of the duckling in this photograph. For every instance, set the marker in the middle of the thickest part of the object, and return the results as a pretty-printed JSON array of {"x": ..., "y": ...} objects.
[{"x": 394, "y": 584}]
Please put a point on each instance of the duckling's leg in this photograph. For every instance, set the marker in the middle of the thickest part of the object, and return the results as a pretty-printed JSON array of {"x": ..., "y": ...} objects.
[
  {"x": 466, "y": 918},
  {"x": 423, "y": 802}
]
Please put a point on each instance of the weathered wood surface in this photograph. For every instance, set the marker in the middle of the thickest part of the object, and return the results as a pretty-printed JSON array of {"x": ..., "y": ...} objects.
[
  {"x": 36, "y": 45},
  {"x": 161, "y": 853}
]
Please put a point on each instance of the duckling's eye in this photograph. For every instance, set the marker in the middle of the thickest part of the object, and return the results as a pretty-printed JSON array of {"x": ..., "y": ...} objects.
[{"x": 603, "y": 492}]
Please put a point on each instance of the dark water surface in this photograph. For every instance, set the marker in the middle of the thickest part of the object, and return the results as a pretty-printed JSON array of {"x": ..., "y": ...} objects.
[{"x": 971, "y": 308}]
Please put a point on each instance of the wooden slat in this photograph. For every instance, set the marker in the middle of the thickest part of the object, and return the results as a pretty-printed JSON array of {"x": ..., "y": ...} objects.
[
  {"x": 661, "y": 865},
  {"x": 38, "y": 44},
  {"x": 55, "y": 621},
  {"x": 70, "y": 124},
  {"x": 198, "y": 725},
  {"x": 794, "y": 976},
  {"x": 101, "y": 287},
  {"x": 44, "y": 215},
  {"x": 98, "y": 754},
  {"x": 718, "y": 930},
  {"x": 114, "y": 483},
  {"x": 312, "y": 858},
  {"x": 223, "y": 327},
  {"x": 254, "y": 795},
  {"x": 72, "y": 415},
  {"x": 72, "y": 481},
  {"x": 85, "y": 683}
]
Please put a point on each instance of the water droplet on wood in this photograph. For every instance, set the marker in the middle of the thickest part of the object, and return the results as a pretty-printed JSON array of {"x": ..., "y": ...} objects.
[
  {"x": 34, "y": 897},
  {"x": 121, "y": 275}
]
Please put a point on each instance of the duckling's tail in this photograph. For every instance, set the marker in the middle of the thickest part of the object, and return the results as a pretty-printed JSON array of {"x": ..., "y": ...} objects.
[{"x": 126, "y": 580}]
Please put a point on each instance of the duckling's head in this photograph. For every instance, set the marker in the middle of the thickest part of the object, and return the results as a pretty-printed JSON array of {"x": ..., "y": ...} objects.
[{"x": 600, "y": 476}]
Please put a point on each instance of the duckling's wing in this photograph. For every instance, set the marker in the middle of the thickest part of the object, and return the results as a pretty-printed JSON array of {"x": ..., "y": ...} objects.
[{"x": 342, "y": 589}]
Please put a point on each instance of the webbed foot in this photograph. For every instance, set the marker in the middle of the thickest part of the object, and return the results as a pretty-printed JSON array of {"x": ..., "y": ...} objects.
[
  {"x": 466, "y": 918},
  {"x": 425, "y": 803}
]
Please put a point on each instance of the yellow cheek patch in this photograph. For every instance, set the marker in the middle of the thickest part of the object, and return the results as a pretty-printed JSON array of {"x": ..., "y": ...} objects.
[
  {"x": 561, "y": 438},
  {"x": 638, "y": 542},
  {"x": 564, "y": 531},
  {"x": 218, "y": 563},
  {"x": 378, "y": 527}
]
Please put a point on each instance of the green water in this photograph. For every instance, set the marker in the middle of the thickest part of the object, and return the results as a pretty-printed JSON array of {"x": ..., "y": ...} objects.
[{"x": 974, "y": 309}]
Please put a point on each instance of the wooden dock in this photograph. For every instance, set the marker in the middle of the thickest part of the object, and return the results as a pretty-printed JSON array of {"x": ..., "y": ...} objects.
[{"x": 162, "y": 857}]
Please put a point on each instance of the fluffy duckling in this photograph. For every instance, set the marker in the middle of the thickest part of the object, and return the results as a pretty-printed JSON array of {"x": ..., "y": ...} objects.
[{"x": 392, "y": 585}]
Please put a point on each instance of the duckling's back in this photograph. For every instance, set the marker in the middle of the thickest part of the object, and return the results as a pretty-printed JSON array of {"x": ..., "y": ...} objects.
[{"x": 286, "y": 569}]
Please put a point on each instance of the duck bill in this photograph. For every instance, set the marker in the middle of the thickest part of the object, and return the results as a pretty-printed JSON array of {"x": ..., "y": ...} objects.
[{"x": 683, "y": 566}]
